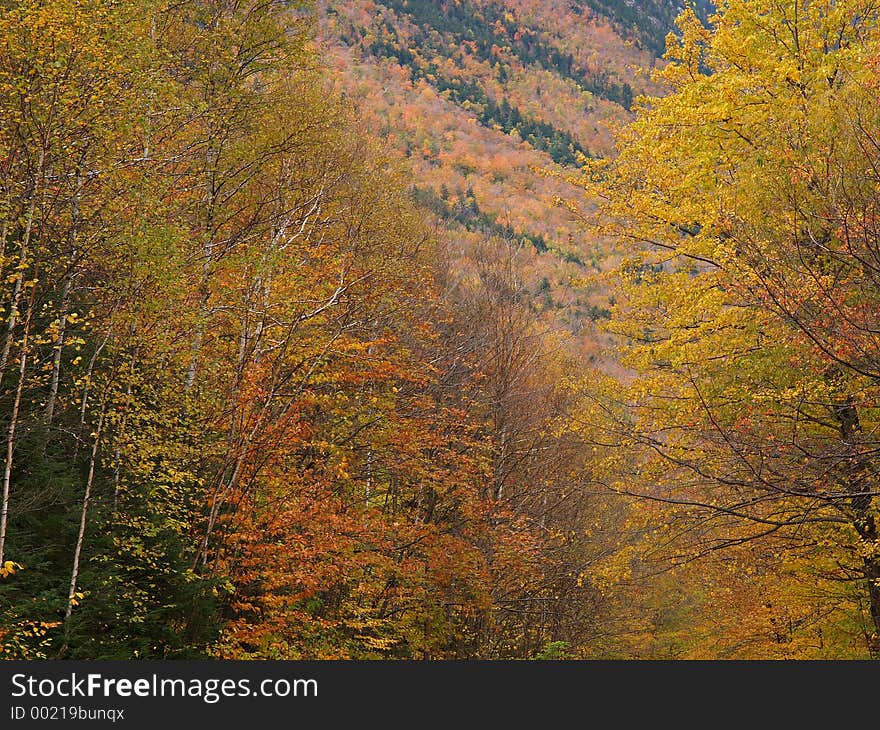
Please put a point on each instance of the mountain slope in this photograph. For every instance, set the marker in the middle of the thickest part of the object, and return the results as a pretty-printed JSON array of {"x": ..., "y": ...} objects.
[{"x": 484, "y": 97}]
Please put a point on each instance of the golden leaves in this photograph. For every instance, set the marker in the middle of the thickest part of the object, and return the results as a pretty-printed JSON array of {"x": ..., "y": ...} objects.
[{"x": 8, "y": 568}]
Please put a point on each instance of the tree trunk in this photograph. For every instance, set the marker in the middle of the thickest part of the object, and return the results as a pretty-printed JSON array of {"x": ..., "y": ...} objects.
[
  {"x": 13, "y": 425},
  {"x": 87, "y": 496},
  {"x": 863, "y": 519},
  {"x": 22, "y": 254},
  {"x": 59, "y": 348},
  {"x": 65, "y": 296}
]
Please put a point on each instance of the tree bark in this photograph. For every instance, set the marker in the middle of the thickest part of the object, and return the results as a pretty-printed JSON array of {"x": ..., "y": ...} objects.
[
  {"x": 13, "y": 425},
  {"x": 19, "y": 280},
  {"x": 87, "y": 495},
  {"x": 864, "y": 521}
]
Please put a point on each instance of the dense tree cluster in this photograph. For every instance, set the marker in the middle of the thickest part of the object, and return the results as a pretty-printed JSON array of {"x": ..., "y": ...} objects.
[
  {"x": 246, "y": 409},
  {"x": 748, "y": 196},
  {"x": 485, "y": 26},
  {"x": 649, "y": 21},
  {"x": 253, "y": 404},
  {"x": 466, "y": 210},
  {"x": 560, "y": 145}
]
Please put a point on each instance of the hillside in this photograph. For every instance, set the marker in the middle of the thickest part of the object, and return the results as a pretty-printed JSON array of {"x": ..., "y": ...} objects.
[
  {"x": 439, "y": 330},
  {"x": 484, "y": 99}
]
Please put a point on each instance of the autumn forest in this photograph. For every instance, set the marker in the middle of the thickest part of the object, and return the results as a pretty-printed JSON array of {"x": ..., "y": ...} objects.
[{"x": 439, "y": 329}]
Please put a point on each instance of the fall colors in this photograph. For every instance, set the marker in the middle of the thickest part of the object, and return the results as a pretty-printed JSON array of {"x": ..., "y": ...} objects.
[{"x": 432, "y": 330}]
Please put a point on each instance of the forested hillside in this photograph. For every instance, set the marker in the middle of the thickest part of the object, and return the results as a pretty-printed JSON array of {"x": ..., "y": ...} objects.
[
  {"x": 482, "y": 98},
  {"x": 430, "y": 330},
  {"x": 249, "y": 408}
]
